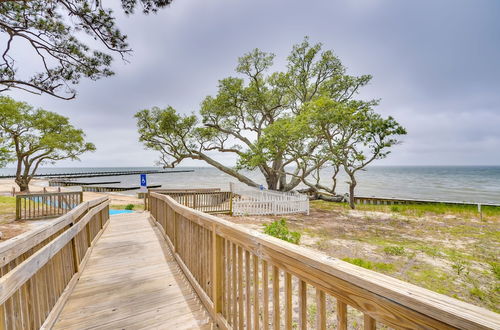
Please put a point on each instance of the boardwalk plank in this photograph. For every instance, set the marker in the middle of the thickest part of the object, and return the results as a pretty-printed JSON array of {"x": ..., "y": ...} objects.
[{"x": 132, "y": 281}]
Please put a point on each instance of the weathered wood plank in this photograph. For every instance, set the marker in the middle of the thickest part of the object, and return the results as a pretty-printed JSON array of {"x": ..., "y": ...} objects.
[{"x": 132, "y": 291}]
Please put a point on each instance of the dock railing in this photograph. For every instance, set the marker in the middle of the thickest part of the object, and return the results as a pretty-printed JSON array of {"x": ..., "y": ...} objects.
[
  {"x": 209, "y": 200},
  {"x": 247, "y": 279},
  {"x": 39, "y": 268},
  {"x": 46, "y": 205}
]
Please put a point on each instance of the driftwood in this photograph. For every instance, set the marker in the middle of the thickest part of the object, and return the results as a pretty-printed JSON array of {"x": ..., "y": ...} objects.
[{"x": 315, "y": 195}]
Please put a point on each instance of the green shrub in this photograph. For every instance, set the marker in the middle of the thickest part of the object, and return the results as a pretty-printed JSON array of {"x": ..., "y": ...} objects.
[
  {"x": 129, "y": 207},
  {"x": 279, "y": 229},
  {"x": 394, "y": 250},
  {"x": 495, "y": 269},
  {"x": 382, "y": 266},
  {"x": 359, "y": 262},
  {"x": 395, "y": 208}
]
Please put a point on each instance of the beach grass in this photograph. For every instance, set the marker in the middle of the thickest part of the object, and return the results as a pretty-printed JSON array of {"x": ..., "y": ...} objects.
[
  {"x": 136, "y": 207},
  {"x": 7, "y": 209},
  {"x": 468, "y": 211}
]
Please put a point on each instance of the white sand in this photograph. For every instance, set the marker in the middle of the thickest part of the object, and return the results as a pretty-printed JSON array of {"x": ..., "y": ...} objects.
[{"x": 37, "y": 185}]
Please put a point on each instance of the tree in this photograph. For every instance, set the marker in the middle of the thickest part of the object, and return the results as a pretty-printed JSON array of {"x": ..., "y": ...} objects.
[
  {"x": 34, "y": 137},
  {"x": 52, "y": 31},
  {"x": 254, "y": 117},
  {"x": 354, "y": 136}
]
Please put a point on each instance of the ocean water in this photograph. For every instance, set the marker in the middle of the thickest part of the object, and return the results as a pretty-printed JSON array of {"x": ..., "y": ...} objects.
[{"x": 449, "y": 183}]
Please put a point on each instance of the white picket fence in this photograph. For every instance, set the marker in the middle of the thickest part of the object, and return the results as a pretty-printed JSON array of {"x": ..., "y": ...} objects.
[{"x": 252, "y": 201}]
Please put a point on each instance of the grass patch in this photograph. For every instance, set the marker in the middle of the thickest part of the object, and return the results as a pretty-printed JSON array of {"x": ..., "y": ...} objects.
[
  {"x": 279, "y": 229},
  {"x": 431, "y": 278},
  {"x": 394, "y": 250},
  {"x": 129, "y": 207},
  {"x": 7, "y": 209},
  {"x": 495, "y": 269},
  {"x": 139, "y": 207},
  {"x": 468, "y": 211},
  {"x": 380, "y": 266}
]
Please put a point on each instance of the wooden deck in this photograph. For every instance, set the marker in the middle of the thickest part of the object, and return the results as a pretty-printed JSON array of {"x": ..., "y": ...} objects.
[{"x": 131, "y": 281}]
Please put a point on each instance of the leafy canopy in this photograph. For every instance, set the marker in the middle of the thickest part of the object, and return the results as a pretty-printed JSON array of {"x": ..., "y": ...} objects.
[
  {"x": 255, "y": 116},
  {"x": 35, "y": 136},
  {"x": 53, "y": 32},
  {"x": 286, "y": 124}
]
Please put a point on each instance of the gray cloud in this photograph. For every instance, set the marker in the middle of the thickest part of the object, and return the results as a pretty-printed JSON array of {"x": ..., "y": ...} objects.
[{"x": 435, "y": 66}]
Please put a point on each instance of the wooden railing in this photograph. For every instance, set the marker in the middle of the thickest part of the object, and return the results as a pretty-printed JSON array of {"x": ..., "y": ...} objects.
[
  {"x": 46, "y": 205},
  {"x": 38, "y": 269},
  {"x": 205, "y": 201},
  {"x": 250, "y": 280}
]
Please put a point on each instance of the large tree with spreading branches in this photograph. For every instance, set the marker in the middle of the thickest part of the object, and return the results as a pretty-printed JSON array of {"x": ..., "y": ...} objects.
[
  {"x": 54, "y": 33},
  {"x": 264, "y": 118},
  {"x": 33, "y": 137}
]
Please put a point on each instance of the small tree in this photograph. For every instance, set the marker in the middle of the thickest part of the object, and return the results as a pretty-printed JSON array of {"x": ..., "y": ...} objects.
[
  {"x": 354, "y": 135},
  {"x": 34, "y": 137}
]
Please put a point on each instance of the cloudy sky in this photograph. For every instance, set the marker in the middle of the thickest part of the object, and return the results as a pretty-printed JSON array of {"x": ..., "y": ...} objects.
[{"x": 436, "y": 67}]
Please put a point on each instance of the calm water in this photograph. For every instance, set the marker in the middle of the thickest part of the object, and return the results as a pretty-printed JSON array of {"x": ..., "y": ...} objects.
[{"x": 452, "y": 183}]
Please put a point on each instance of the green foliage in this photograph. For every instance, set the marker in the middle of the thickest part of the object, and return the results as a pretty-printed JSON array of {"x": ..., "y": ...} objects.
[
  {"x": 495, "y": 269},
  {"x": 268, "y": 120},
  {"x": 53, "y": 33},
  {"x": 478, "y": 293},
  {"x": 359, "y": 262},
  {"x": 394, "y": 250},
  {"x": 380, "y": 266},
  {"x": 36, "y": 136},
  {"x": 279, "y": 229},
  {"x": 395, "y": 208},
  {"x": 129, "y": 207},
  {"x": 459, "y": 266}
]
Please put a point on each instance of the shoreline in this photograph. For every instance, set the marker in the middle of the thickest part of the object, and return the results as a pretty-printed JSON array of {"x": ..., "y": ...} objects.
[{"x": 37, "y": 185}]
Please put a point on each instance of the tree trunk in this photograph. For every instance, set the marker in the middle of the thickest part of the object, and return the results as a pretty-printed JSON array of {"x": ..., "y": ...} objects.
[
  {"x": 23, "y": 184},
  {"x": 352, "y": 185}
]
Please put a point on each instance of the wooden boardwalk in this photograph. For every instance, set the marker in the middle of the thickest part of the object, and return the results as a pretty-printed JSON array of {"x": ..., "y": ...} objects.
[{"x": 131, "y": 281}]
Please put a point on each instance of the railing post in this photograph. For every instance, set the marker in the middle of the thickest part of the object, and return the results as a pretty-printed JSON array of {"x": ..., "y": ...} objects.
[
  {"x": 217, "y": 271},
  {"x": 231, "y": 203},
  {"x": 18, "y": 207},
  {"x": 174, "y": 234}
]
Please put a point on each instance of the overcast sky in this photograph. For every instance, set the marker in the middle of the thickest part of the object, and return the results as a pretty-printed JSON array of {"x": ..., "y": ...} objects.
[{"x": 435, "y": 63}]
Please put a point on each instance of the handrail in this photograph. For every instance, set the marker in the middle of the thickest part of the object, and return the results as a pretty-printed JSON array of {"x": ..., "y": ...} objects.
[
  {"x": 229, "y": 267},
  {"x": 39, "y": 268},
  {"x": 203, "y": 200},
  {"x": 44, "y": 205}
]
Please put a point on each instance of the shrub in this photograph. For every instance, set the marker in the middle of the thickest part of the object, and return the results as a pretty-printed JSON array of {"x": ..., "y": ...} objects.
[
  {"x": 359, "y": 262},
  {"x": 459, "y": 266},
  {"x": 395, "y": 208},
  {"x": 495, "y": 269},
  {"x": 129, "y": 207},
  {"x": 394, "y": 250},
  {"x": 279, "y": 229}
]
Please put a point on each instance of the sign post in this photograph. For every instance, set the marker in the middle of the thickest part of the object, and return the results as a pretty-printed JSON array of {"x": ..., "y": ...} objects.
[{"x": 144, "y": 183}]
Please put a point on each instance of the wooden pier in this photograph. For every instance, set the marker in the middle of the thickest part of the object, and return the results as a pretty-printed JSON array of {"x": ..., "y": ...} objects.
[
  {"x": 98, "y": 174},
  {"x": 66, "y": 183},
  {"x": 114, "y": 188}
]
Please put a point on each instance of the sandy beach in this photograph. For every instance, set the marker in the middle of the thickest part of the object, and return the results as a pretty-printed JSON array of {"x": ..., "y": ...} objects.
[{"x": 37, "y": 185}]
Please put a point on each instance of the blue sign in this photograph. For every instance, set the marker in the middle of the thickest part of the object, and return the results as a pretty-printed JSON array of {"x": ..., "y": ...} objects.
[{"x": 143, "y": 180}]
